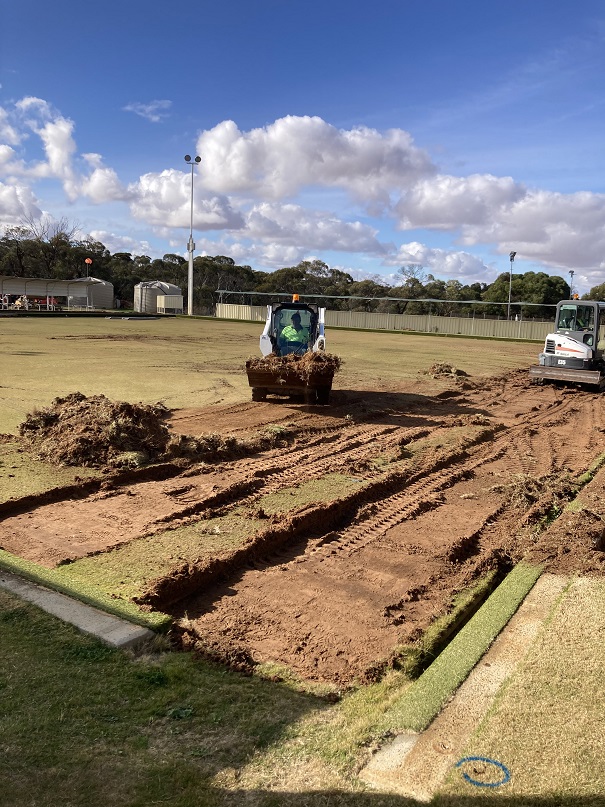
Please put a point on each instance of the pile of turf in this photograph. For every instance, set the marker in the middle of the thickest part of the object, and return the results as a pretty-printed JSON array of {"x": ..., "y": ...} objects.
[
  {"x": 305, "y": 366},
  {"x": 96, "y": 432}
]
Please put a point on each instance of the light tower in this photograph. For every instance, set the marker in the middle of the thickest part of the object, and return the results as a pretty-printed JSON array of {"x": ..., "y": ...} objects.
[
  {"x": 191, "y": 244},
  {"x": 510, "y": 281}
]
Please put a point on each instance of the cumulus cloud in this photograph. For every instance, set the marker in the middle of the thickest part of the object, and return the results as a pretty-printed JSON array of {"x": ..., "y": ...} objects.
[
  {"x": 447, "y": 202},
  {"x": 251, "y": 186},
  {"x": 293, "y": 224},
  {"x": 561, "y": 230},
  {"x": 440, "y": 262},
  {"x": 154, "y": 111},
  {"x": 164, "y": 200},
  {"x": 292, "y": 153},
  {"x": 9, "y": 134},
  {"x": 17, "y": 202},
  {"x": 37, "y": 106},
  {"x": 121, "y": 243}
]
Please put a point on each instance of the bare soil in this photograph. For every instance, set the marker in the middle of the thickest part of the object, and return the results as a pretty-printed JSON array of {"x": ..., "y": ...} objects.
[{"x": 450, "y": 485}]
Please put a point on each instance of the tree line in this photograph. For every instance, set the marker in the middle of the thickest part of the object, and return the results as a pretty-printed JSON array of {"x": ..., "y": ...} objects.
[{"x": 51, "y": 250}]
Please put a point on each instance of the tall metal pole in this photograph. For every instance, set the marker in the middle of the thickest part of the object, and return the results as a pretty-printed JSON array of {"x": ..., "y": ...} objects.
[
  {"x": 190, "y": 243},
  {"x": 510, "y": 282},
  {"x": 571, "y": 274}
]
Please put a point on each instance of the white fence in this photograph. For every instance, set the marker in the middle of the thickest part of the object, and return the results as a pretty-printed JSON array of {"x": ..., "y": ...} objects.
[{"x": 422, "y": 323}]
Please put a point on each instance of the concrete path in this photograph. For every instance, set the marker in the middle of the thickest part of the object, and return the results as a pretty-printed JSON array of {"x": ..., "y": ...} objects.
[
  {"x": 109, "y": 629},
  {"x": 415, "y": 765}
]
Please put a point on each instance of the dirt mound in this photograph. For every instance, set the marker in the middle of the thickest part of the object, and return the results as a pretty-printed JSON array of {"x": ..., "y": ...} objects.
[
  {"x": 305, "y": 366},
  {"x": 441, "y": 369},
  {"x": 96, "y": 432}
]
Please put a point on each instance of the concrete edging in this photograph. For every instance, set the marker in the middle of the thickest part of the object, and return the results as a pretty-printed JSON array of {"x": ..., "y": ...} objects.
[{"x": 109, "y": 629}]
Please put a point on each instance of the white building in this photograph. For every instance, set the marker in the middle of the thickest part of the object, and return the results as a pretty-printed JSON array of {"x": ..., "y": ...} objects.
[
  {"x": 146, "y": 297},
  {"x": 82, "y": 292}
]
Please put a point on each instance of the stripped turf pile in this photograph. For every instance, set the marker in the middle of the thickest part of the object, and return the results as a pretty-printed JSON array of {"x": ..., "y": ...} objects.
[
  {"x": 305, "y": 366},
  {"x": 95, "y": 431}
]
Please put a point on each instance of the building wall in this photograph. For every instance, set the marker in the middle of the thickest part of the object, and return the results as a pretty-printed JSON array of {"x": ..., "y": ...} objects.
[{"x": 91, "y": 291}]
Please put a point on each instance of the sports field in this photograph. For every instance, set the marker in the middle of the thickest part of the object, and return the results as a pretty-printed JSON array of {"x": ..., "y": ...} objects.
[{"x": 312, "y": 561}]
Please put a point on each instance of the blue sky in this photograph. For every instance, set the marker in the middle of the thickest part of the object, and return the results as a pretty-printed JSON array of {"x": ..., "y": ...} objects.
[{"x": 370, "y": 136}]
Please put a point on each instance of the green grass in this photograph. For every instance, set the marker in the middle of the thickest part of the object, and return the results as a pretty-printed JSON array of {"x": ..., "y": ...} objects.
[
  {"x": 83, "y": 589},
  {"x": 125, "y": 572},
  {"x": 324, "y": 489},
  {"x": 422, "y": 702},
  {"x": 23, "y": 474},
  {"x": 84, "y": 725},
  {"x": 412, "y": 659},
  {"x": 547, "y": 724}
]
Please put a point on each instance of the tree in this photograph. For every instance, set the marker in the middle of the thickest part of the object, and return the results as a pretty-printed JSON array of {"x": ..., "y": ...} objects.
[{"x": 596, "y": 293}]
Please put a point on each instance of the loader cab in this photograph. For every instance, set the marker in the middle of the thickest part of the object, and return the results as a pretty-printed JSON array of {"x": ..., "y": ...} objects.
[
  {"x": 284, "y": 335},
  {"x": 583, "y": 320},
  {"x": 293, "y": 328}
]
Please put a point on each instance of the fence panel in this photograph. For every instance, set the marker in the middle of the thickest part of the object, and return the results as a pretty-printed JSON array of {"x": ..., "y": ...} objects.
[{"x": 421, "y": 323}]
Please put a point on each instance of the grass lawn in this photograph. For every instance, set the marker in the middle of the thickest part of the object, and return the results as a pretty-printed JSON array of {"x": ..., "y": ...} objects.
[
  {"x": 81, "y": 724},
  {"x": 547, "y": 725},
  {"x": 186, "y": 363},
  {"x": 23, "y": 474}
]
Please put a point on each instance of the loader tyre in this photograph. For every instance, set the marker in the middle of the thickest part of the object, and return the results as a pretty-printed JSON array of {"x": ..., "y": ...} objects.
[
  {"x": 259, "y": 394},
  {"x": 310, "y": 397},
  {"x": 323, "y": 395}
]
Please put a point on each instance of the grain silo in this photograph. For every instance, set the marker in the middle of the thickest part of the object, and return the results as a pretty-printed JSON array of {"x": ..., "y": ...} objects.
[{"x": 146, "y": 295}]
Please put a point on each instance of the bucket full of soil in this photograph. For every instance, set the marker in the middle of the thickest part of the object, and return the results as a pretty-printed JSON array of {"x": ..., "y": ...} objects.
[{"x": 310, "y": 375}]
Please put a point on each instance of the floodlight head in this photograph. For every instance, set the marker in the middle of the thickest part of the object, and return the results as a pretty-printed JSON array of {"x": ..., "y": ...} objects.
[
  {"x": 187, "y": 158},
  {"x": 198, "y": 159}
]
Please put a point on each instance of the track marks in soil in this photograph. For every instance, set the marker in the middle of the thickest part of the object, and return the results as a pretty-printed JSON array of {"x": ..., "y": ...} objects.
[
  {"x": 449, "y": 488},
  {"x": 452, "y": 522}
]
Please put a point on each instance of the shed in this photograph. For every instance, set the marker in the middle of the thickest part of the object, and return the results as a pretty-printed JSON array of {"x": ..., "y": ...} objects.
[
  {"x": 81, "y": 292},
  {"x": 146, "y": 295}
]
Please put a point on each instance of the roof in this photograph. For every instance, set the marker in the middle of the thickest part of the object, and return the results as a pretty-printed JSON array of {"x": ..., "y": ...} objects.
[{"x": 44, "y": 286}]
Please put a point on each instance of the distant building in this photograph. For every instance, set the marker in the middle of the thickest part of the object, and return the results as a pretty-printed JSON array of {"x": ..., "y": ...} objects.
[
  {"x": 155, "y": 296},
  {"x": 39, "y": 293}
]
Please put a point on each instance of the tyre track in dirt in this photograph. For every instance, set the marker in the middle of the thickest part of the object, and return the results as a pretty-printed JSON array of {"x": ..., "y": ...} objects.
[
  {"x": 331, "y": 573},
  {"x": 449, "y": 485}
]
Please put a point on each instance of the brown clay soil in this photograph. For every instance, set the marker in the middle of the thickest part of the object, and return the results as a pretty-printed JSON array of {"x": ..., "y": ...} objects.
[{"x": 450, "y": 485}]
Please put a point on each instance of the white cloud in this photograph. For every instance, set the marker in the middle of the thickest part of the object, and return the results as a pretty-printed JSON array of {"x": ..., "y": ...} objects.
[
  {"x": 251, "y": 186},
  {"x": 447, "y": 202},
  {"x": 121, "y": 243},
  {"x": 16, "y": 203},
  {"x": 154, "y": 111},
  {"x": 164, "y": 200},
  {"x": 103, "y": 186},
  {"x": 293, "y": 224},
  {"x": 292, "y": 153},
  {"x": 9, "y": 135},
  {"x": 441, "y": 262},
  {"x": 560, "y": 230},
  {"x": 37, "y": 106}
]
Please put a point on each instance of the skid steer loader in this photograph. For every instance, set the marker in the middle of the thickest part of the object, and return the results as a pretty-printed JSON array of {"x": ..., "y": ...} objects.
[
  {"x": 294, "y": 362},
  {"x": 573, "y": 352}
]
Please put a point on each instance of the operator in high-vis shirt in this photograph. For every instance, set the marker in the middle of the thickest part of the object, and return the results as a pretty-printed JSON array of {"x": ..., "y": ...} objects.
[{"x": 295, "y": 337}]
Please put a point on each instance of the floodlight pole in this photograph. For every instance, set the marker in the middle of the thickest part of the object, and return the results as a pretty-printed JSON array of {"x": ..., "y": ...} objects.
[
  {"x": 510, "y": 282},
  {"x": 571, "y": 274},
  {"x": 190, "y": 243}
]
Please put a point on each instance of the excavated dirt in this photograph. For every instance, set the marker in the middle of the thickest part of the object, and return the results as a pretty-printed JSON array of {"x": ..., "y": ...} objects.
[
  {"x": 443, "y": 488},
  {"x": 304, "y": 366}
]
